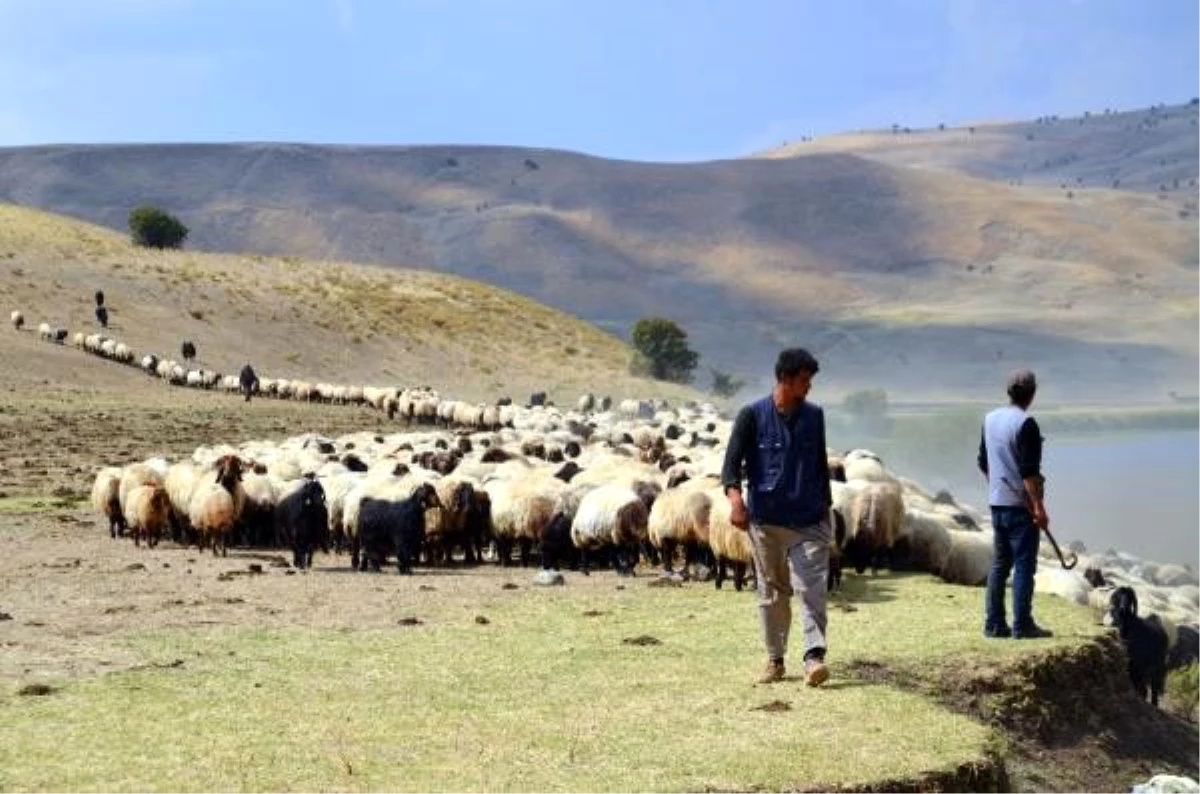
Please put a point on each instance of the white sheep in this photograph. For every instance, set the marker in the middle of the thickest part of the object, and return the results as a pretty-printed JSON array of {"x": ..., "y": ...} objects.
[
  {"x": 18, "y": 319},
  {"x": 969, "y": 559},
  {"x": 149, "y": 472},
  {"x": 730, "y": 545},
  {"x": 873, "y": 521},
  {"x": 611, "y": 515},
  {"x": 521, "y": 508},
  {"x": 106, "y": 499}
]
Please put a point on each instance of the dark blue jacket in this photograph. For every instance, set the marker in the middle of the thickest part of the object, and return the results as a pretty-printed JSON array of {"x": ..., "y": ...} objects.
[{"x": 787, "y": 471}]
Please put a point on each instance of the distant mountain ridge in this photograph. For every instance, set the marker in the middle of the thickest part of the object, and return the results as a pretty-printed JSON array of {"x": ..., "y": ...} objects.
[{"x": 891, "y": 263}]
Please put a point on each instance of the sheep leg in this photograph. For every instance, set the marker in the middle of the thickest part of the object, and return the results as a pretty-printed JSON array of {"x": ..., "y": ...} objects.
[
  {"x": 354, "y": 553},
  {"x": 668, "y": 555},
  {"x": 504, "y": 551},
  {"x": 720, "y": 575},
  {"x": 584, "y": 563},
  {"x": 525, "y": 545},
  {"x": 739, "y": 576}
]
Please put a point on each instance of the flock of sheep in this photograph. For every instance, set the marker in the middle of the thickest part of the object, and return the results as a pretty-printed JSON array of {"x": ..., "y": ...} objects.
[{"x": 597, "y": 484}]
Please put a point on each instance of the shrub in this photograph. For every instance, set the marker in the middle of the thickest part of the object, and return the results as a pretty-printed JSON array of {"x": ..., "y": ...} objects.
[{"x": 662, "y": 351}]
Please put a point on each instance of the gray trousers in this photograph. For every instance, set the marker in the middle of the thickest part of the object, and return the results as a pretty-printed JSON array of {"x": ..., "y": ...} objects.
[{"x": 788, "y": 561}]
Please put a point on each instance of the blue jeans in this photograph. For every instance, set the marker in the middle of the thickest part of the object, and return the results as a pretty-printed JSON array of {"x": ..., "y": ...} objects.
[{"x": 1015, "y": 550}]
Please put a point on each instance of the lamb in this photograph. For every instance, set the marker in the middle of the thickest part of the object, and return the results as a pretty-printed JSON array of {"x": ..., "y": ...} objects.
[
  {"x": 216, "y": 505},
  {"x": 873, "y": 522},
  {"x": 106, "y": 500},
  {"x": 302, "y": 522},
  {"x": 17, "y": 319},
  {"x": 611, "y": 515},
  {"x": 1145, "y": 642},
  {"x": 394, "y": 528},
  {"x": 147, "y": 511}
]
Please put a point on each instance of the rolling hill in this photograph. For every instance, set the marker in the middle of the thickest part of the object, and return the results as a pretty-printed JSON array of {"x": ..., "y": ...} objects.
[
  {"x": 330, "y": 321},
  {"x": 921, "y": 269}
]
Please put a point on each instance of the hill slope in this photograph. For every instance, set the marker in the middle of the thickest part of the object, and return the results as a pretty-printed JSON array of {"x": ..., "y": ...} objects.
[
  {"x": 927, "y": 282},
  {"x": 330, "y": 321},
  {"x": 1150, "y": 150}
]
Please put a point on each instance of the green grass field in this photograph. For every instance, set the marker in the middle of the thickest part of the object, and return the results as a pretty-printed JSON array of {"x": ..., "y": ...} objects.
[{"x": 546, "y": 695}]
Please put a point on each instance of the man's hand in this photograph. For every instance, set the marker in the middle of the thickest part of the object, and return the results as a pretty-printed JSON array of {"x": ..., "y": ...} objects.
[
  {"x": 1041, "y": 518},
  {"x": 739, "y": 516}
]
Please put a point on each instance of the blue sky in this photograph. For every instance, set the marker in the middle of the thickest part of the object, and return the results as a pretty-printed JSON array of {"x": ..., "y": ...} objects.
[{"x": 637, "y": 79}]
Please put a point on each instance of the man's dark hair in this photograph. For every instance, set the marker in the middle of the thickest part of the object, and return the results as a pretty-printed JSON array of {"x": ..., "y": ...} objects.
[
  {"x": 793, "y": 361},
  {"x": 1022, "y": 385}
]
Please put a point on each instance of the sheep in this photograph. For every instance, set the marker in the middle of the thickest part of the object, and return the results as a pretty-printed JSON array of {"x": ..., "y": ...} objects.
[
  {"x": 257, "y": 514},
  {"x": 969, "y": 559},
  {"x": 152, "y": 472},
  {"x": 45, "y": 331},
  {"x": 520, "y": 510},
  {"x": 147, "y": 511},
  {"x": 923, "y": 542},
  {"x": 180, "y": 482},
  {"x": 216, "y": 505},
  {"x": 187, "y": 351},
  {"x": 382, "y": 489},
  {"x": 730, "y": 545},
  {"x": 444, "y": 525},
  {"x": 1145, "y": 643},
  {"x": 611, "y": 515},
  {"x": 555, "y": 544},
  {"x": 586, "y": 403},
  {"x": 17, "y": 319},
  {"x": 106, "y": 500},
  {"x": 679, "y": 518},
  {"x": 873, "y": 521},
  {"x": 302, "y": 522},
  {"x": 395, "y": 528}
]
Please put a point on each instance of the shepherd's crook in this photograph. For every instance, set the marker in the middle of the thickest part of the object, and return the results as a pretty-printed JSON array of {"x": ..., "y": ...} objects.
[{"x": 1074, "y": 558}]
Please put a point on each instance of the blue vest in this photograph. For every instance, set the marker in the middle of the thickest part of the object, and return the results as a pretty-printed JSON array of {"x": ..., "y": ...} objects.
[{"x": 783, "y": 469}]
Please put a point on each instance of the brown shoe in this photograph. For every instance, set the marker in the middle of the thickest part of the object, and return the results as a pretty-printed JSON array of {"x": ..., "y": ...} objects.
[
  {"x": 773, "y": 673},
  {"x": 815, "y": 672}
]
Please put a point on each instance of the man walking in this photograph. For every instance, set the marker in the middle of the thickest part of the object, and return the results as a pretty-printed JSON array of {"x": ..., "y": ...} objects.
[
  {"x": 1010, "y": 456},
  {"x": 780, "y": 441}
]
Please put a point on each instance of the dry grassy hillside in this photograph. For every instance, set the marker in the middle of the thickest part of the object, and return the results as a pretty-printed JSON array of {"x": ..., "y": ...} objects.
[
  {"x": 1150, "y": 150},
  {"x": 889, "y": 272},
  {"x": 291, "y": 318}
]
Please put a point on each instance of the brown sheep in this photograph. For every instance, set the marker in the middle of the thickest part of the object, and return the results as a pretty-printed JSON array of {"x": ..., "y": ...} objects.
[
  {"x": 216, "y": 505},
  {"x": 147, "y": 512},
  {"x": 106, "y": 499},
  {"x": 873, "y": 522}
]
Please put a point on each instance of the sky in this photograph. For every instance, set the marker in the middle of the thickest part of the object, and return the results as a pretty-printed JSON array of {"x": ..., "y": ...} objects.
[{"x": 672, "y": 80}]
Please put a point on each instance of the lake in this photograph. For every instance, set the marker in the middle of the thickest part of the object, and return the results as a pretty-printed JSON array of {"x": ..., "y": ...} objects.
[{"x": 1135, "y": 491}]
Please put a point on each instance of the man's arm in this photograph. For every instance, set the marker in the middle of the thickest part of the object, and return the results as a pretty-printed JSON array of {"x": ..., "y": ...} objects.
[
  {"x": 1029, "y": 462},
  {"x": 823, "y": 460},
  {"x": 982, "y": 459},
  {"x": 741, "y": 439}
]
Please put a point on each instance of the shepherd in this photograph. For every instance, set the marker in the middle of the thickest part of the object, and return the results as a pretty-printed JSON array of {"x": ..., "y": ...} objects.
[
  {"x": 1010, "y": 457},
  {"x": 780, "y": 440}
]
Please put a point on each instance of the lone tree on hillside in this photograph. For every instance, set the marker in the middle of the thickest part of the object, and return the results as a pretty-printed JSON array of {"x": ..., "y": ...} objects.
[
  {"x": 662, "y": 351},
  {"x": 153, "y": 228}
]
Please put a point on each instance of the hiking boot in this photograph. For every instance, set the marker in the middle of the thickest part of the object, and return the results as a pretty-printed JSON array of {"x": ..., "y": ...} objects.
[
  {"x": 773, "y": 673},
  {"x": 815, "y": 671},
  {"x": 1034, "y": 632},
  {"x": 997, "y": 632}
]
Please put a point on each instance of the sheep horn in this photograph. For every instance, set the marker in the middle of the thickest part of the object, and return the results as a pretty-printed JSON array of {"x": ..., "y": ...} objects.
[{"x": 1066, "y": 565}]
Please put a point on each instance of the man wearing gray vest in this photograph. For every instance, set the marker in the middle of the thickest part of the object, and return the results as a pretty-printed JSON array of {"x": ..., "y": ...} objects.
[
  {"x": 780, "y": 440},
  {"x": 1010, "y": 456}
]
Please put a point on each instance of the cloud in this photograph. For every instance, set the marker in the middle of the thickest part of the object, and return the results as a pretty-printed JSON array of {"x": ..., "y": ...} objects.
[{"x": 344, "y": 12}]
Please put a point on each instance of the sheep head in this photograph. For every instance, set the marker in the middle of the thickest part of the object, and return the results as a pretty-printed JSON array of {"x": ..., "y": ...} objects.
[
  {"x": 229, "y": 471},
  {"x": 426, "y": 496},
  {"x": 1123, "y": 606}
]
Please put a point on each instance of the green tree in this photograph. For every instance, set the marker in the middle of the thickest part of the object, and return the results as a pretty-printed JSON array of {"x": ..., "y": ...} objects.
[
  {"x": 724, "y": 384},
  {"x": 153, "y": 228},
  {"x": 662, "y": 351}
]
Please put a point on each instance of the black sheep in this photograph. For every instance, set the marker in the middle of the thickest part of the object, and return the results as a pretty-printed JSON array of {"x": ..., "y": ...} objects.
[
  {"x": 188, "y": 350},
  {"x": 99, "y": 297},
  {"x": 386, "y": 528},
  {"x": 102, "y": 316},
  {"x": 1145, "y": 643},
  {"x": 302, "y": 522},
  {"x": 555, "y": 542}
]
